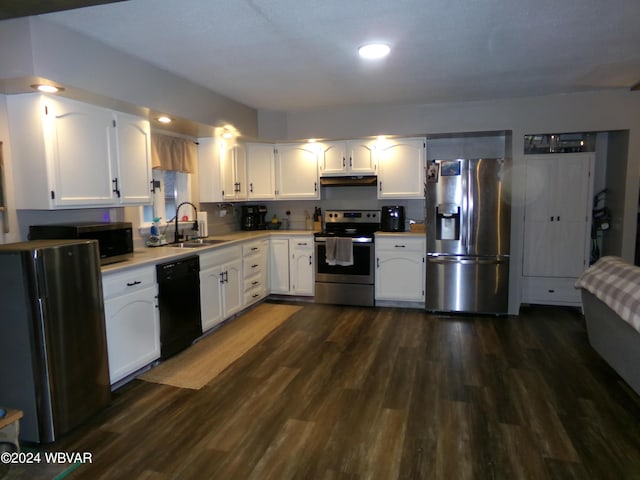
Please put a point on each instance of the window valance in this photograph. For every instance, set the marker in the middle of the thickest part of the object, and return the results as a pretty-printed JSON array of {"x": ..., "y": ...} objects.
[{"x": 173, "y": 153}]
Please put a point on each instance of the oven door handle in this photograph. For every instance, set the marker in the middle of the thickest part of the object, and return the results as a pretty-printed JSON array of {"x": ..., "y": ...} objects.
[{"x": 357, "y": 240}]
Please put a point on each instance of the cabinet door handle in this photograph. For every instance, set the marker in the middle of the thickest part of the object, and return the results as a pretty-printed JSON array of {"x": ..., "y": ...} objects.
[
  {"x": 350, "y": 162},
  {"x": 315, "y": 186},
  {"x": 344, "y": 162},
  {"x": 302, "y": 243},
  {"x": 254, "y": 265},
  {"x": 221, "y": 277},
  {"x": 115, "y": 187},
  {"x": 380, "y": 183},
  {"x": 400, "y": 246},
  {"x": 255, "y": 282},
  {"x": 310, "y": 260},
  {"x": 378, "y": 262},
  {"x": 131, "y": 284},
  {"x": 226, "y": 276},
  {"x": 251, "y": 187},
  {"x": 253, "y": 249}
]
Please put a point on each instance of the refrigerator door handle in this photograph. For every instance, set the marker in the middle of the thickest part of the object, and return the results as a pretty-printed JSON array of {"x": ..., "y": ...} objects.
[{"x": 449, "y": 259}]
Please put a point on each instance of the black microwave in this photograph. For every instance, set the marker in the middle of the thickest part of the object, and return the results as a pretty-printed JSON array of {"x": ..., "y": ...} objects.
[{"x": 115, "y": 239}]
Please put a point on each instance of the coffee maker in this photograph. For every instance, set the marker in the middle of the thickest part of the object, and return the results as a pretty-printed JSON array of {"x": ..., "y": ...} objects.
[
  {"x": 254, "y": 217},
  {"x": 392, "y": 218}
]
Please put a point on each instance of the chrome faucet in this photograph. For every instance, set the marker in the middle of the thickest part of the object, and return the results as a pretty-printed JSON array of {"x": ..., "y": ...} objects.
[{"x": 176, "y": 235}]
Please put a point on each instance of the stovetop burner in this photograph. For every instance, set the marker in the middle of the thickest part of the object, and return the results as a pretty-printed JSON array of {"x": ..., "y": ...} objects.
[{"x": 350, "y": 223}]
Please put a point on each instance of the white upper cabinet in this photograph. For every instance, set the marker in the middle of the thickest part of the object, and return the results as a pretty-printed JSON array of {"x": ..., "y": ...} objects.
[
  {"x": 297, "y": 171},
  {"x": 261, "y": 171},
  {"x": 62, "y": 152},
  {"x": 209, "y": 170},
  {"x": 352, "y": 157},
  {"x": 70, "y": 154},
  {"x": 134, "y": 159},
  {"x": 401, "y": 165},
  {"x": 233, "y": 169}
]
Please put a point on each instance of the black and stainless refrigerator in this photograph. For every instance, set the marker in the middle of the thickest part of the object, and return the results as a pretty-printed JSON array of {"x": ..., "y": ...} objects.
[
  {"x": 53, "y": 351},
  {"x": 468, "y": 219}
]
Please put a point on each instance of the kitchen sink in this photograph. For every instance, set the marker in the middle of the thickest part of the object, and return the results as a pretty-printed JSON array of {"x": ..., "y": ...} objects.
[{"x": 201, "y": 242}]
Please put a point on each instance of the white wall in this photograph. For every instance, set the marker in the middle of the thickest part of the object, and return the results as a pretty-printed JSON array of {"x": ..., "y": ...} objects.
[
  {"x": 10, "y": 213},
  {"x": 89, "y": 68}
]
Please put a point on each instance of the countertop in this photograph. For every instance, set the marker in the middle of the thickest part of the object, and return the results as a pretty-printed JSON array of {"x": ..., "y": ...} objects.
[
  {"x": 400, "y": 234},
  {"x": 154, "y": 255}
]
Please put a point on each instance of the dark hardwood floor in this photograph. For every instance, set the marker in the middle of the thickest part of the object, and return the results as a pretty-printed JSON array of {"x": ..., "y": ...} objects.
[{"x": 359, "y": 393}]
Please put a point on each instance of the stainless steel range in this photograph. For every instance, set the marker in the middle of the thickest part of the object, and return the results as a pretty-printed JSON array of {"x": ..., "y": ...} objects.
[{"x": 345, "y": 257}]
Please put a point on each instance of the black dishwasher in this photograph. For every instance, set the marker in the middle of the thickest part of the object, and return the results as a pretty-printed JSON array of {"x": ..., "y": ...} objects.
[{"x": 179, "y": 304}]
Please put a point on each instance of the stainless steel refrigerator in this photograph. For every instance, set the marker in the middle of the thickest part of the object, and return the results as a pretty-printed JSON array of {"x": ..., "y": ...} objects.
[
  {"x": 53, "y": 354},
  {"x": 468, "y": 233}
]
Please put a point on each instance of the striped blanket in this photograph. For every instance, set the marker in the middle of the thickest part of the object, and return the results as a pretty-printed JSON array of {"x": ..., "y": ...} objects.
[{"x": 616, "y": 283}]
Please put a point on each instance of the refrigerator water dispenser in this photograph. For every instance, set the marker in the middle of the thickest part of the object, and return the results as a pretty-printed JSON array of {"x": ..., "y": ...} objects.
[{"x": 447, "y": 222}]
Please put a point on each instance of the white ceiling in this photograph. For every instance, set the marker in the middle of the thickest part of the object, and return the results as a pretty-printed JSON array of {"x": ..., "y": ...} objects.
[{"x": 301, "y": 54}]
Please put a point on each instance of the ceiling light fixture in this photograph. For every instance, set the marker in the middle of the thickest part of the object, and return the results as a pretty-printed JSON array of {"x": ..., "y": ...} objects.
[
  {"x": 46, "y": 88},
  {"x": 374, "y": 50},
  {"x": 164, "y": 119}
]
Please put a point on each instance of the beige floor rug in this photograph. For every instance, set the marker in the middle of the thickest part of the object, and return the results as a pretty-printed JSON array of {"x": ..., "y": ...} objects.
[{"x": 202, "y": 362}]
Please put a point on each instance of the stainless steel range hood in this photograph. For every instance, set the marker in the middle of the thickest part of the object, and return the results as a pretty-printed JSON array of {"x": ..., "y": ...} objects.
[{"x": 349, "y": 181}]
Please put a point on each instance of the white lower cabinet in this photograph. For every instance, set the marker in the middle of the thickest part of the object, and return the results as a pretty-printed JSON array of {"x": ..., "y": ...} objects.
[
  {"x": 279, "y": 265},
  {"x": 400, "y": 268},
  {"x": 291, "y": 265},
  {"x": 131, "y": 320},
  {"x": 301, "y": 266},
  {"x": 221, "y": 286},
  {"x": 254, "y": 271}
]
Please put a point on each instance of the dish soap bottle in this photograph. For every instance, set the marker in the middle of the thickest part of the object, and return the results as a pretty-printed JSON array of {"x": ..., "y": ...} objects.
[{"x": 155, "y": 228}]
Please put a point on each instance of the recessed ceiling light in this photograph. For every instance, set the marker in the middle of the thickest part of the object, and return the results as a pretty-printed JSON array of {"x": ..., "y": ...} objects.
[
  {"x": 47, "y": 88},
  {"x": 374, "y": 50},
  {"x": 164, "y": 119}
]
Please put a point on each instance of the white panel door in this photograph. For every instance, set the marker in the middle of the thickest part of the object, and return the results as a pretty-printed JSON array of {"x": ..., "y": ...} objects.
[
  {"x": 400, "y": 276},
  {"x": 401, "y": 168},
  {"x": 333, "y": 158},
  {"x": 261, "y": 171},
  {"x": 360, "y": 157},
  {"x": 297, "y": 172},
  {"x": 279, "y": 265},
  {"x": 211, "y": 302},
  {"x": 133, "y": 159},
  {"x": 81, "y": 140},
  {"x": 557, "y": 215},
  {"x": 133, "y": 332},
  {"x": 302, "y": 282}
]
